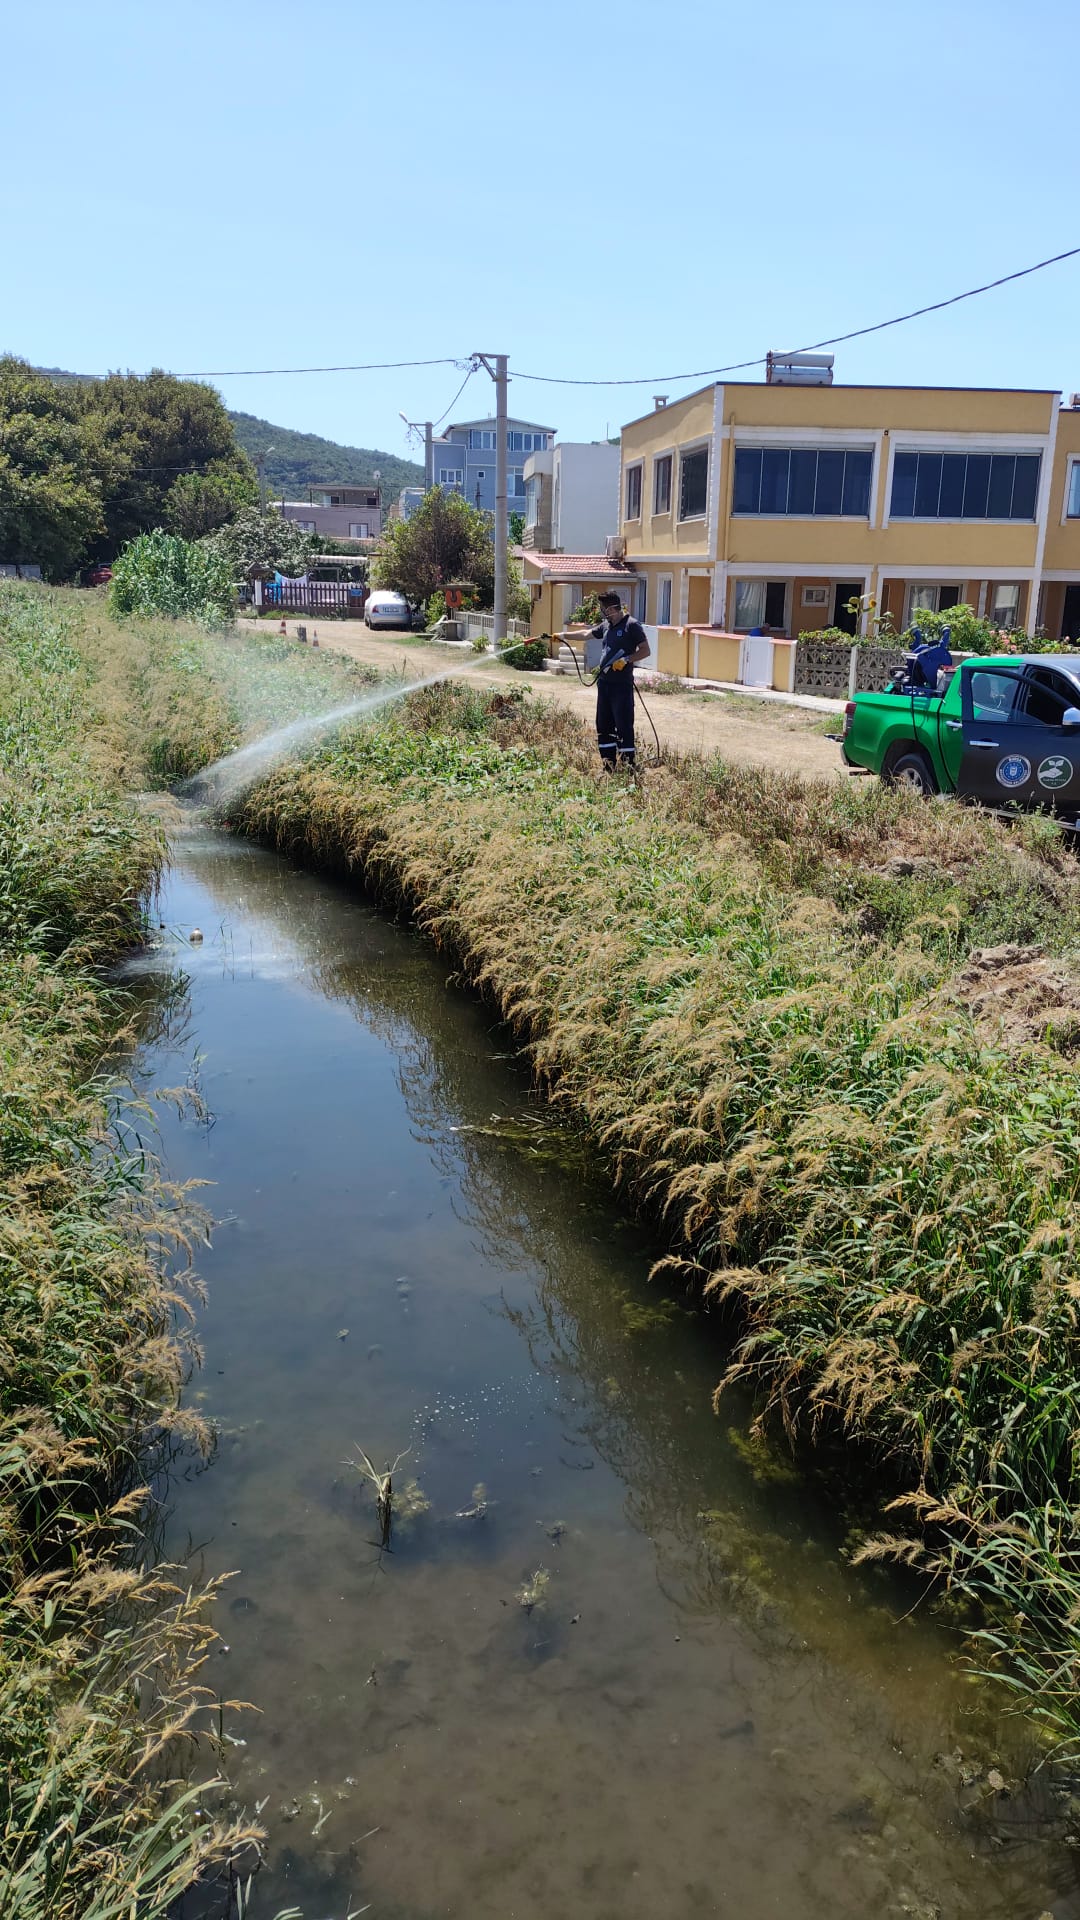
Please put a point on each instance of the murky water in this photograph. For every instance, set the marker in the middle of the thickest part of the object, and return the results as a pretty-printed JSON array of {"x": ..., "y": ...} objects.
[{"x": 703, "y": 1712}]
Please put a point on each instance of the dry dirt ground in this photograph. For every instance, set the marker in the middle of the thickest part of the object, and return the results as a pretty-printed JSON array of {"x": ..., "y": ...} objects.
[{"x": 763, "y": 733}]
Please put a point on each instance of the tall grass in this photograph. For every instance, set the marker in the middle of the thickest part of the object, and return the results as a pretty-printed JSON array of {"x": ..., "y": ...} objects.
[
  {"x": 883, "y": 1200},
  {"x": 102, "y": 1679}
]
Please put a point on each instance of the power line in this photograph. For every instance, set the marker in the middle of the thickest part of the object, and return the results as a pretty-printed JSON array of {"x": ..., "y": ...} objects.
[
  {"x": 740, "y": 366},
  {"x": 371, "y": 366},
  {"x": 472, "y": 369}
]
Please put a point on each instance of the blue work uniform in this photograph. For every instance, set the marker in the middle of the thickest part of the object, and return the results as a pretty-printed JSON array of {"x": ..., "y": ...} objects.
[{"x": 615, "y": 692}]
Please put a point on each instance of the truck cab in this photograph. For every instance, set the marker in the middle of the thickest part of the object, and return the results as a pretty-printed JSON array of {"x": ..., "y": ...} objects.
[{"x": 1001, "y": 730}]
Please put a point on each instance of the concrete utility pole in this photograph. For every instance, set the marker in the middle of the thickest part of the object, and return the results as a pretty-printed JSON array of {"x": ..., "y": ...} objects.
[
  {"x": 429, "y": 457},
  {"x": 260, "y": 463},
  {"x": 498, "y": 374}
]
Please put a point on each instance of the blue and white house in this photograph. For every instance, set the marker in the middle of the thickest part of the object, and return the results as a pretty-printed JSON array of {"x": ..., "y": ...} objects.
[{"x": 464, "y": 460}]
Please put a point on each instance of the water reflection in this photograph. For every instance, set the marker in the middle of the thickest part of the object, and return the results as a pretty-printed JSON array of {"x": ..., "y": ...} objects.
[{"x": 705, "y": 1712}]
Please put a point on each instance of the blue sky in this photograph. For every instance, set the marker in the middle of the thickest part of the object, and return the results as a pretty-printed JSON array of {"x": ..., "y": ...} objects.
[{"x": 595, "y": 189}]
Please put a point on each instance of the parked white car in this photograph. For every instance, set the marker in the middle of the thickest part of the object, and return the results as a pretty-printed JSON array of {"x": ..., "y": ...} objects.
[{"x": 386, "y": 609}]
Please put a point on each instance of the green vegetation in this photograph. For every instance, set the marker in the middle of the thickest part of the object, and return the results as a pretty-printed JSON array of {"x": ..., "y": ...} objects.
[
  {"x": 86, "y": 465},
  {"x": 445, "y": 540},
  {"x": 184, "y": 579},
  {"x": 103, "y": 1682},
  {"x": 297, "y": 461},
  {"x": 528, "y": 657},
  {"x": 746, "y": 987}
]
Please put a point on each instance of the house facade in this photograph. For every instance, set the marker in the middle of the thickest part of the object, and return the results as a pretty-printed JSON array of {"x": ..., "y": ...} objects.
[
  {"x": 572, "y": 497},
  {"x": 769, "y": 507},
  {"x": 350, "y": 513},
  {"x": 464, "y": 460}
]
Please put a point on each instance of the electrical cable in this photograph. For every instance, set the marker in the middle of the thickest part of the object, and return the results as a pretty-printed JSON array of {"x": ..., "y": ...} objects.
[
  {"x": 370, "y": 366},
  {"x": 838, "y": 339},
  {"x": 448, "y": 410}
]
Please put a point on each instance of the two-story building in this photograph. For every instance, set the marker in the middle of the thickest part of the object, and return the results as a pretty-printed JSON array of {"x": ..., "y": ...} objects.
[
  {"x": 754, "y": 506},
  {"x": 572, "y": 497},
  {"x": 348, "y": 512},
  {"x": 464, "y": 460}
]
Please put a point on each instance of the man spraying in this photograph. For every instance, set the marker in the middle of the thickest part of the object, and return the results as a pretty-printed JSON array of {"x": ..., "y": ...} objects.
[{"x": 623, "y": 643}]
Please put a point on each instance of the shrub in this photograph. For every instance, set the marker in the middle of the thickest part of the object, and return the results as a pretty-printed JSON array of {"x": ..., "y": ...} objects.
[
  {"x": 161, "y": 573},
  {"x": 528, "y": 656}
]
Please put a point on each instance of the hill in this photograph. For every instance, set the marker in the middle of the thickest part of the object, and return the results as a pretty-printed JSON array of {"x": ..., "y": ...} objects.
[{"x": 303, "y": 460}]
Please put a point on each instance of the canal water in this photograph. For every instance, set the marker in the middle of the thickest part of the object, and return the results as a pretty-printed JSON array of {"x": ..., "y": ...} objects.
[{"x": 611, "y": 1662}]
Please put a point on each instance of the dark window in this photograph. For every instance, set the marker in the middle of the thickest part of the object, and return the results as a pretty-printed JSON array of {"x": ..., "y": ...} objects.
[
  {"x": 976, "y": 486},
  {"x": 857, "y": 471},
  {"x": 662, "y": 485},
  {"x": 951, "y": 498},
  {"x": 1025, "y": 486},
  {"x": 775, "y": 600},
  {"x": 747, "y": 480},
  {"x": 633, "y": 493},
  {"x": 1045, "y": 700},
  {"x": 965, "y": 486},
  {"x": 774, "y": 480},
  {"x": 905, "y": 468},
  {"x": 693, "y": 484},
  {"x": 927, "y": 486},
  {"x": 802, "y": 481},
  {"x": 830, "y": 483}
]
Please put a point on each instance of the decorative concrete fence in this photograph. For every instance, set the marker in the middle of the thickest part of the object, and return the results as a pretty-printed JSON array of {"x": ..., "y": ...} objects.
[
  {"x": 475, "y": 624},
  {"x": 836, "y": 672}
]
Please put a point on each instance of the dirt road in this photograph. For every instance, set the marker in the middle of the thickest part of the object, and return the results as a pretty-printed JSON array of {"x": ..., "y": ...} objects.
[{"x": 738, "y": 726}]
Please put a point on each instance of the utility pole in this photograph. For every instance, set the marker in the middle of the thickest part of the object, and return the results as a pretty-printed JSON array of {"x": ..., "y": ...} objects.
[
  {"x": 429, "y": 457},
  {"x": 260, "y": 463},
  {"x": 498, "y": 374}
]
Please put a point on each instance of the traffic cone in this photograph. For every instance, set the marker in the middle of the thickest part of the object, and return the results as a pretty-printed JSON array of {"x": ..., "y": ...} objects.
[
  {"x": 283, "y": 629},
  {"x": 314, "y": 636}
]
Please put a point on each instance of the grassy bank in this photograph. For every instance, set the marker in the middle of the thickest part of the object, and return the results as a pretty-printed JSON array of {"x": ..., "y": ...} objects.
[
  {"x": 101, "y": 1659},
  {"x": 745, "y": 988}
]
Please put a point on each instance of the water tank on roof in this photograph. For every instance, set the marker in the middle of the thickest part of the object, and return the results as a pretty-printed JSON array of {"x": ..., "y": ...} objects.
[{"x": 799, "y": 369}]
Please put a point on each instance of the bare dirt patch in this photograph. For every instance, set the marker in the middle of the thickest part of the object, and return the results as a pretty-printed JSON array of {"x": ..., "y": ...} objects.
[{"x": 1019, "y": 996}]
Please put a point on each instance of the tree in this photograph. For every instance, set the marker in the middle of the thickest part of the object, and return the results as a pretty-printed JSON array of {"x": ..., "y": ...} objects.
[
  {"x": 261, "y": 541},
  {"x": 445, "y": 540},
  {"x": 516, "y": 529},
  {"x": 162, "y": 430},
  {"x": 199, "y": 503},
  {"x": 54, "y": 468}
]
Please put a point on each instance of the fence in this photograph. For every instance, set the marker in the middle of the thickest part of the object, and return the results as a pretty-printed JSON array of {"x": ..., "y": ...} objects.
[
  {"x": 837, "y": 672},
  {"x": 484, "y": 623},
  {"x": 333, "y": 599}
]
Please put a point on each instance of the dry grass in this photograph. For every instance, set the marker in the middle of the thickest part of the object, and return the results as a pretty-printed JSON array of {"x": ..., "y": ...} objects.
[{"x": 884, "y": 1203}]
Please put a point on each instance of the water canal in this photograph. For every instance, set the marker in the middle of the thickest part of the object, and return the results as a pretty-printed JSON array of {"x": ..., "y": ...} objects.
[{"x": 614, "y": 1664}]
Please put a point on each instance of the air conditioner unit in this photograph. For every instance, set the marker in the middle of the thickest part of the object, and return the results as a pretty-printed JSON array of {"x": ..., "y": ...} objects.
[{"x": 615, "y": 547}]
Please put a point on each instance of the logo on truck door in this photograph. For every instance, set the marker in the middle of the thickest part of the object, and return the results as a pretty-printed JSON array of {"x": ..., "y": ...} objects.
[
  {"x": 1055, "y": 771},
  {"x": 1013, "y": 771}
]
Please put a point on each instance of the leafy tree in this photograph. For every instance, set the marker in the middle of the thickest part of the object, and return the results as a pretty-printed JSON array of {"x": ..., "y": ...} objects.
[
  {"x": 160, "y": 429},
  {"x": 54, "y": 467},
  {"x": 199, "y": 503},
  {"x": 160, "y": 573},
  {"x": 446, "y": 539},
  {"x": 261, "y": 540},
  {"x": 516, "y": 529}
]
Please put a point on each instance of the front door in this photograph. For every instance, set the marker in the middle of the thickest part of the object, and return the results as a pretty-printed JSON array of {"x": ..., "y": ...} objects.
[
  {"x": 698, "y": 589},
  {"x": 1016, "y": 750},
  {"x": 846, "y": 590},
  {"x": 1070, "y": 613}
]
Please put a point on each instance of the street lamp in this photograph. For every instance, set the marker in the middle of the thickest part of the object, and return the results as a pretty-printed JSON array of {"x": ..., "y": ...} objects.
[{"x": 414, "y": 426}]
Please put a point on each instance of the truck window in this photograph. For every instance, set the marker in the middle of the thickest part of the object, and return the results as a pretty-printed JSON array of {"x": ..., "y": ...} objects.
[
  {"x": 1046, "y": 696},
  {"x": 992, "y": 694}
]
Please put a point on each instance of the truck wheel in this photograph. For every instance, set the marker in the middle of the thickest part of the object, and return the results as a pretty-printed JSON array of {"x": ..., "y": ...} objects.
[{"x": 913, "y": 771}]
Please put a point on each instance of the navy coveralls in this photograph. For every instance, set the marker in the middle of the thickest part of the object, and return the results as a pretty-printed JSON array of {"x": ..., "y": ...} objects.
[{"x": 615, "y": 694}]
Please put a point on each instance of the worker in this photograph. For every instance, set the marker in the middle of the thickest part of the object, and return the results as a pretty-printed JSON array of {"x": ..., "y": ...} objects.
[{"x": 625, "y": 643}]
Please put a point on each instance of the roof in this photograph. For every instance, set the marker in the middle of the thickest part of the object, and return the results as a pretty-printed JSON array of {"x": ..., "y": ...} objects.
[
  {"x": 840, "y": 386},
  {"x": 488, "y": 420},
  {"x": 579, "y": 566}
]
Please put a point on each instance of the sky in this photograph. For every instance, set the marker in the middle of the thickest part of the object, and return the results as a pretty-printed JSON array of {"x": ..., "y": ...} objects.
[{"x": 599, "y": 190}]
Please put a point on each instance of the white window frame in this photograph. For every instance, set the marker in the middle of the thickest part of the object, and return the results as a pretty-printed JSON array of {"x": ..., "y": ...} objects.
[
  {"x": 815, "y": 596},
  {"x": 451, "y": 476},
  {"x": 694, "y": 446},
  {"x": 908, "y": 440},
  {"x": 945, "y": 594},
  {"x": 665, "y": 453},
  {"x": 636, "y": 467},
  {"x": 1007, "y": 586},
  {"x": 359, "y": 530},
  {"x": 1072, "y": 485},
  {"x": 664, "y": 580}
]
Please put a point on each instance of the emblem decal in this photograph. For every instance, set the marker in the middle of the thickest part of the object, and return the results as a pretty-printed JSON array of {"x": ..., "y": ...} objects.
[
  {"x": 1055, "y": 771},
  {"x": 1013, "y": 771}
]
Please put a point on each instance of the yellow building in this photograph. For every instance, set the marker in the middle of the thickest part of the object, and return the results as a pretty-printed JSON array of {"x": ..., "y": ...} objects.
[{"x": 770, "y": 507}]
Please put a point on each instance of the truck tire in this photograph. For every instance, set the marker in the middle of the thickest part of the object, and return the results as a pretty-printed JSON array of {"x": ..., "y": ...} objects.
[{"x": 912, "y": 770}]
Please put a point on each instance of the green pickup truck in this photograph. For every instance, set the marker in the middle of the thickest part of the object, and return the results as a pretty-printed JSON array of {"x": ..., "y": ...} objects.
[{"x": 1003, "y": 730}]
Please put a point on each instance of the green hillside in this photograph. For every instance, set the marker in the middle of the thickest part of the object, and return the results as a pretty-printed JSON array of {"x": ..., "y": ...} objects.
[{"x": 303, "y": 460}]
